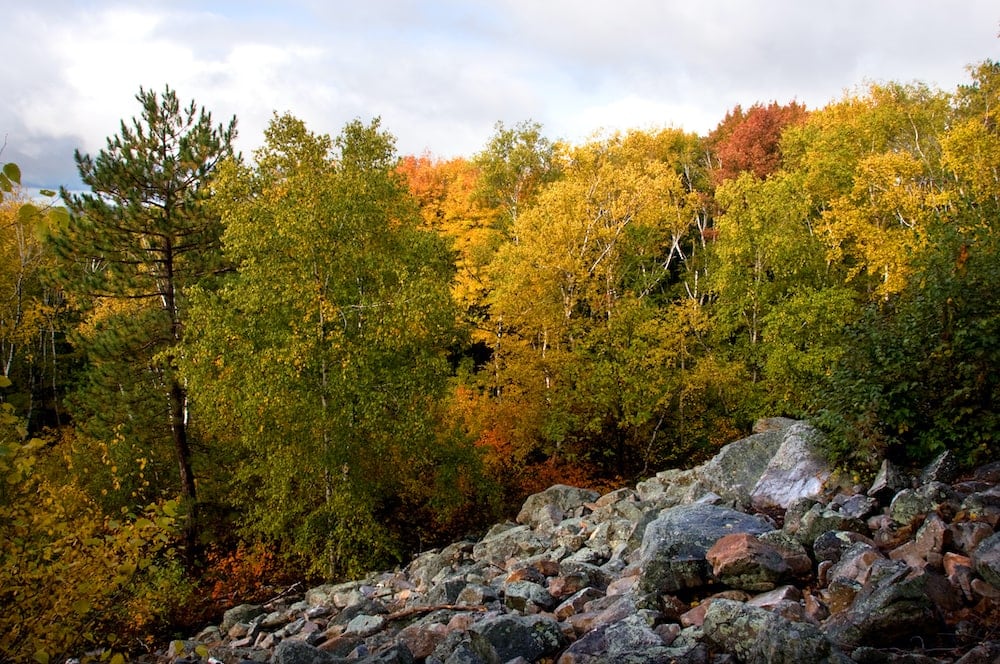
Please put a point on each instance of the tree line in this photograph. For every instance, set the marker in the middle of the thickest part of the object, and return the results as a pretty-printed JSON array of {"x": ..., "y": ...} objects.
[{"x": 219, "y": 370}]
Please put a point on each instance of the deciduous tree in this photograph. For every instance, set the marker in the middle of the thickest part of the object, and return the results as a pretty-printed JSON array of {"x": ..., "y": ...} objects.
[{"x": 326, "y": 352}]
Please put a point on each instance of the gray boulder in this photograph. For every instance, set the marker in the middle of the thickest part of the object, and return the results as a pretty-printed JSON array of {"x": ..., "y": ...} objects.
[
  {"x": 528, "y": 597},
  {"x": 627, "y": 641},
  {"x": 465, "y": 647},
  {"x": 672, "y": 556},
  {"x": 518, "y": 541},
  {"x": 796, "y": 470},
  {"x": 888, "y": 481},
  {"x": 890, "y": 608},
  {"x": 300, "y": 652},
  {"x": 551, "y": 506},
  {"x": 531, "y": 637},
  {"x": 757, "y": 636},
  {"x": 986, "y": 559},
  {"x": 910, "y": 506},
  {"x": 240, "y": 614},
  {"x": 737, "y": 468}
]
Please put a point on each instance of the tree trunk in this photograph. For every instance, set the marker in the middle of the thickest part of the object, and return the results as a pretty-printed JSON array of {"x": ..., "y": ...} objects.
[{"x": 178, "y": 429}]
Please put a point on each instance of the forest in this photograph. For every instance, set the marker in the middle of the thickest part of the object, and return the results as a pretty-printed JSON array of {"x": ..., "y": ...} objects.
[{"x": 221, "y": 373}]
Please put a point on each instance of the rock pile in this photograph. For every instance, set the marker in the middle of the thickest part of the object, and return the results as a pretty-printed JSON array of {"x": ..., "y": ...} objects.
[{"x": 756, "y": 556}]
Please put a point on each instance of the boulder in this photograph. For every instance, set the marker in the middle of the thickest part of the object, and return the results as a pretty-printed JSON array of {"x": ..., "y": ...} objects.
[
  {"x": 531, "y": 637},
  {"x": 888, "y": 482},
  {"x": 465, "y": 647},
  {"x": 528, "y": 597},
  {"x": 796, "y": 470},
  {"x": 910, "y": 506},
  {"x": 551, "y": 506},
  {"x": 737, "y": 468},
  {"x": 944, "y": 468},
  {"x": 240, "y": 614},
  {"x": 890, "y": 610},
  {"x": 820, "y": 519},
  {"x": 757, "y": 636},
  {"x": 300, "y": 652},
  {"x": 516, "y": 542},
  {"x": 628, "y": 641},
  {"x": 742, "y": 561},
  {"x": 986, "y": 560},
  {"x": 674, "y": 546}
]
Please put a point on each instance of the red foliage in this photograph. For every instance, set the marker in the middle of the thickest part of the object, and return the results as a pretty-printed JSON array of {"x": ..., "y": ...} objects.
[{"x": 750, "y": 141}]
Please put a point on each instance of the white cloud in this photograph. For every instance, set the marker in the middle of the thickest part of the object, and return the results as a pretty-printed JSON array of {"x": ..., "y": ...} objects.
[{"x": 440, "y": 74}]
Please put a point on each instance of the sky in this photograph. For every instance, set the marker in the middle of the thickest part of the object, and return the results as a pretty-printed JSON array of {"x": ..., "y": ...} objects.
[{"x": 441, "y": 74}]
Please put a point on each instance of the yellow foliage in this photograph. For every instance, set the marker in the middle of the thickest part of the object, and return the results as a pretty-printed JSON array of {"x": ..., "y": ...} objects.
[{"x": 66, "y": 570}]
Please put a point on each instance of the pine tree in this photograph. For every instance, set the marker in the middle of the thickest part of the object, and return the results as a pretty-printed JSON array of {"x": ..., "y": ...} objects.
[{"x": 131, "y": 246}]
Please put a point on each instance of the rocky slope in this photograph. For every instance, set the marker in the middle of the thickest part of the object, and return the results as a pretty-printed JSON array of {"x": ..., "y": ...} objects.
[{"x": 756, "y": 556}]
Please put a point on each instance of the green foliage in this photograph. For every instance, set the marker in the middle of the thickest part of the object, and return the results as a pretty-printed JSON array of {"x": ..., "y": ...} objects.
[
  {"x": 327, "y": 350},
  {"x": 514, "y": 167},
  {"x": 130, "y": 248},
  {"x": 921, "y": 374}
]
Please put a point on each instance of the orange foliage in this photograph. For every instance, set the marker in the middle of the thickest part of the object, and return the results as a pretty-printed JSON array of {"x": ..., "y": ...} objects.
[
  {"x": 513, "y": 460},
  {"x": 444, "y": 191},
  {"x": 250, "y": 573}
]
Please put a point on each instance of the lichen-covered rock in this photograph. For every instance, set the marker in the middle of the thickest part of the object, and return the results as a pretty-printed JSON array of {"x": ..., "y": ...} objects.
[
  {"x": 673, "y": 550},
  {"x": 465, "y": 647},
  {"x": 538, "y": 508},
  {"x": 528, "y": 597},
  {"x": 986, "y": 559},
  {"x": 531, "y": 637},
  {"x": 889, "y": 610},
  {"x": 910, "y": 506},
  {"x": 820, "y": 519},
  {"x": 519, "y": 541},
  {"x": 300, "y": 652},
  {"x": 757, "y": 636},
  {"x": 628, "y": 641},
  {"x": 742, "y": 561},
  {"x": 737, "y": 468},
  {"x": 944, "y": 468},
  {"x": 240, "y": 614}
]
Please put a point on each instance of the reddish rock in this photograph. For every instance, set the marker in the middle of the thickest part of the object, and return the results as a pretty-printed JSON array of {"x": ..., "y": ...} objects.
[
  {"x": 840, "y": 594},
  {"x": 546, "y": 567},
  {"x": 742, "y": 561},
  {"x": 673, "y": 607},
  {"x": 576, "y": 603},
  {"x": 695, "y": 617},
  {"x": 525, "y": 574},
  {"x": 564, "y": 586},
  {"x": 341, "y": 645},
  {"x": 622, "y": 585},
  {"x": 954, "y": 560},
  {"x": 582, "y": 622},
  {"x": 421, "y": 640},
  {"x": 461, "y": 622},
  {"x": 855, "y": 565},
  {"x": 816, "y": 610},
  {"x": 985, "y": 590}
]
